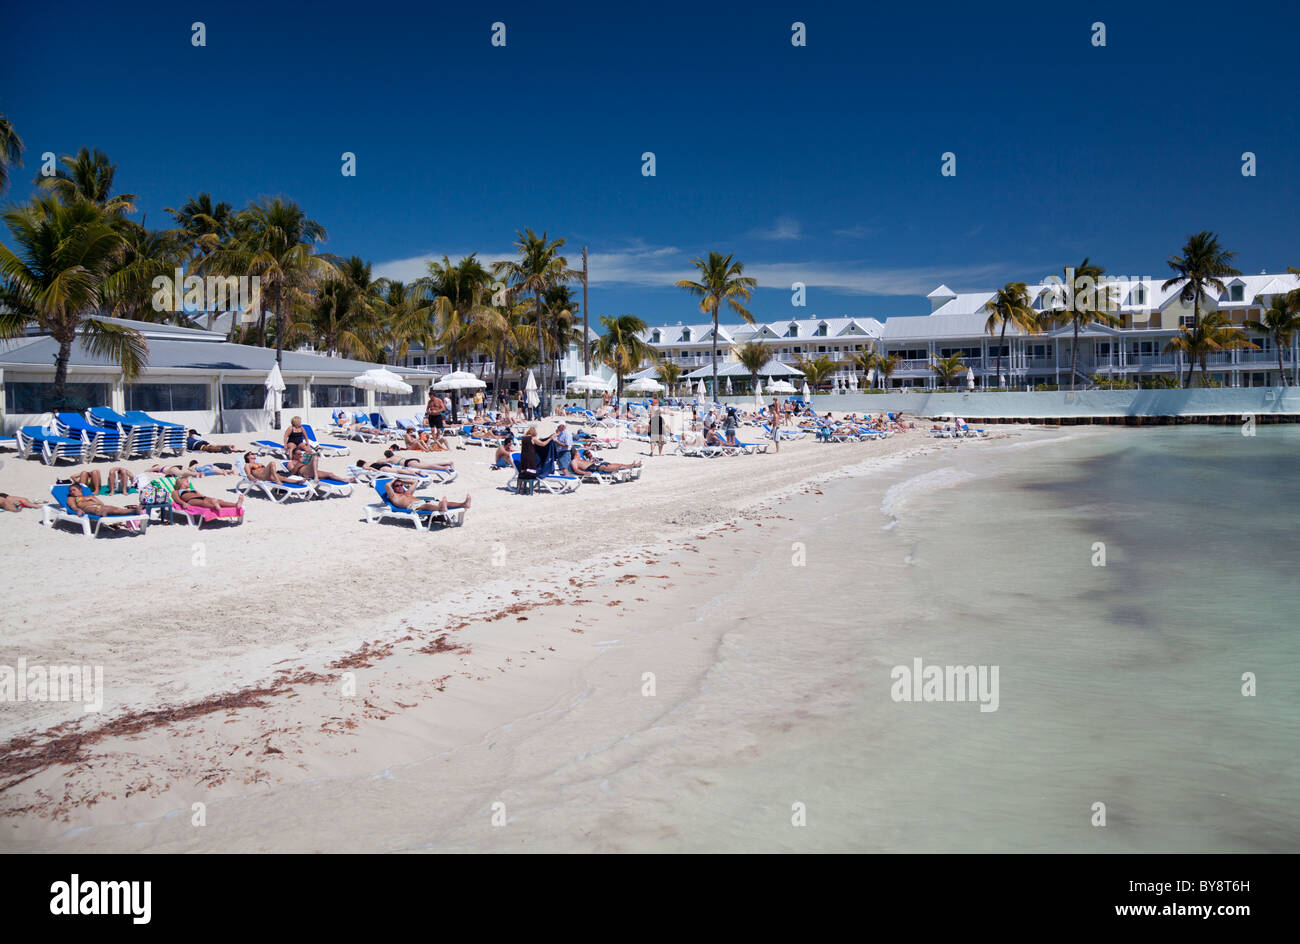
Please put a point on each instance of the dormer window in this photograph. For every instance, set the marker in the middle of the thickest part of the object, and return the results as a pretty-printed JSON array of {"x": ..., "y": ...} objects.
[
  {"x": 792, "y": 331},
  {"x": 655, "y": 336},
  {"x": 822, "y": 330},
  {"x": 1140, "y": 295},
  {"x": 686, "y": 334},
  {"x": 1236, "y": 292}
]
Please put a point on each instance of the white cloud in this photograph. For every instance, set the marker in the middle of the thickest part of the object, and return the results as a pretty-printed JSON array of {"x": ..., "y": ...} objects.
[
  {"x": 785, "y": 228},
  {"x": 661, "y": 266}
]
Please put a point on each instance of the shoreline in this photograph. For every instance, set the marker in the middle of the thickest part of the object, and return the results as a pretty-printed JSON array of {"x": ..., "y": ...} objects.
[{"x": 470, "y": 646}]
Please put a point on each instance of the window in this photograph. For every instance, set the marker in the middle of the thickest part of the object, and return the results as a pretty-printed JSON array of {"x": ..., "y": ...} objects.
[
  {"x": 792, "y": 331},
  {"x": 1103, "y": 349},
  {"x": 686, "y": 335},
  {"x": 821, "y": 331},
  {"x": 654, "y": 336},
  {"x": 413, "y": 398},
  {"x": 331, "y": 396},
  {"x": 1235, "y": 292},
  {"x": 1040, "y": 350},
  {"x": 253, "y": 396},
  {"x": 1140, "y": 295},
  {"x": 1186, "y": 320},
  {"x": 23, "y": 397},
  {"x": 168, "y": 398}
]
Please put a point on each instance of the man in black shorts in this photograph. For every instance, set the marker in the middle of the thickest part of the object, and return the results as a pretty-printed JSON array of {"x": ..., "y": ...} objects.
[
  {"x": 433, "y": 412},
  {"x": 658, "y": 428}
]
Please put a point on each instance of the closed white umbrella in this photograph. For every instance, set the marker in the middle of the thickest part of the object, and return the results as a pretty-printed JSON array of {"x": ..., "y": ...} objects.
[
  {"x": 970, "y": 379},
  {"x": 381, "y": 380},
  {"x": 758, "y": 388},
  {"x": 701, "y": 392},
  {"x": 806, "y": 395},
  {"x": 274, "y": 384},
  {"x": 530, "y": 391},
  {"x": 728, "y": 386}
]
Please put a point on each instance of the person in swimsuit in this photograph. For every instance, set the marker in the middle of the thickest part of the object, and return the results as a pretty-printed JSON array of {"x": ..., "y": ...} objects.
[
  {"x": 83, "y": 504},
  {"x": 586, "y": 462},
  {"x": 186, "y": 495},
  {"x": 504, "y": 457},
  {"x": 197, "y": 443},
  {"x": 15, "y": 503},
  {"x": 88, "y": 480},
  {"x": 267, "y": 472},
  {"x": 402, "y": 495},
  {"x": 307, "y": 465},
  {"x": 295, "y": 438},
  {"x": 433, "y": 411},
  {"x": 119, "y": 480},
  {"x": 211, "y": 468}
]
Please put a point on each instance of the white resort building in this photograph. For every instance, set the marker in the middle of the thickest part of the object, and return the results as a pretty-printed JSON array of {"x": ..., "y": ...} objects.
[{"x": 1149, "y": 316}]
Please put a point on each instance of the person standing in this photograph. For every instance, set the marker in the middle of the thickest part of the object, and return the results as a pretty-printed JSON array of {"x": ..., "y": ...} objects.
[
  {"x": 776, "y": 424},
  {"x": 434, "y": 410},
  {"x": 478, "y": 404},
  {"x": 658, "y": 430},
  {"x": 563, "y": 447}
]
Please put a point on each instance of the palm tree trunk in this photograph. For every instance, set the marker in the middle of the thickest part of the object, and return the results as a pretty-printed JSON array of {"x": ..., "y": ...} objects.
[
  {"x": 541, "y": 350},
  {"x": 1281, "y": 371},
  {"x": 714, "y": 392},
  {"x": 1074, "y": 355},
  {"x": 61, "y": 372},
  {"x": 1002, "y": 342}
]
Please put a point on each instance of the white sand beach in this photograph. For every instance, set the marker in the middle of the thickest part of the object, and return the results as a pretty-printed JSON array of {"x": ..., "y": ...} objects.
[{"x": 306, "y": 645}]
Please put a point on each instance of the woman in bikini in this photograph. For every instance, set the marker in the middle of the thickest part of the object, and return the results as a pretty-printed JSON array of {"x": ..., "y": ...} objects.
[
  {"x": 586, "y": 462},
  {"x": 414, "y": 463},
  {"x": 84, "y": 504},
  {"x": 306, "y": 463},
  {"x": 186, "y": 495},
  {"x": 15, "y": 503},
  {"x": 267, "y": 472}
]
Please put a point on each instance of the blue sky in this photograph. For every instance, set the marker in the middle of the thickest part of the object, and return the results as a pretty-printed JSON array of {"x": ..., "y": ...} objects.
[{"x": 819, "y": 164}]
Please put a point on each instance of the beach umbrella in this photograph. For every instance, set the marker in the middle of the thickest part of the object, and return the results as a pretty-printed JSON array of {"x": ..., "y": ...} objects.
[
  {"x": 645, "y": 385},
  {"x": 1002, "y": 380},
  {"x": 274, "y": 384},
  {"x": 381, "y": 380},
  {"x": 591, "y": 383},
  {"x": 781, "y": 386},
  {"x": 758, "y": 388},
  {"x": 530, "y": 391},
  {"x": 459, "y": 380},
  {"x": 701, "y": 392},
  {"x": 806, "y": 395},
  {"x": 728, "y": 386}
]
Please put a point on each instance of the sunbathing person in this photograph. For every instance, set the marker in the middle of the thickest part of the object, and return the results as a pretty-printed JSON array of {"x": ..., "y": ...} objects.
[
  {"x": 504, "y": 456},
  {"x": 267, "y": 472},
  {"x": 416, "y": 441},
  {"x": 15, "y": 503},
  {"x": 295, "y": 438},
  {"x": 211, "y": 468},
  {"x": 402, "y": 495},
  {"x": 412, "y": 463},
  {"x": 197, "y": 443},
  {"x": 83, "y": 504},
  {"x": 711, "y": 438},
  {"x": 186, "y": 495},
  {"x": 307, "y": 465},
  {"x": 346, "y": 422},
  {"x": 119, "y": 480},
  {"x": 88, "y": 480},
  {"x": 586, "y": 462}
]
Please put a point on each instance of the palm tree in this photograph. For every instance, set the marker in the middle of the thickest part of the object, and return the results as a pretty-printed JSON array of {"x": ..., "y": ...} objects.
[
  {"x": 60, "y": 275},
  {"x": 203, "y": 226},
  {"x": 754, "y": 355},
  {"x": 721, "y": 280},
  {"x": 1209, "y": 335},
  {"x": 146, "y": 254},
  {"x": 1280, "y": 322},
  {"x": 1010, "y": 306},
  {"x": 538, "y": 268},
  {"x": 275, "y": 242},
  {"x": 817, "y": 370},
  {"x": 886, "y": 364},
  {"x": 948, "y": 369},
  {"x": 345, "y": 314},
  {"x": 88, "y": 177},
  {"x": 669, "y": 374},
  {"x": 11, "y": 150},
  {"x": 1202, "y": 265},
  {"x": 403, "y": 319},
  {"x": 621, "y": 347},
  {"x": 560, "y": 310},
  {"x": 1099, "y": 312}
]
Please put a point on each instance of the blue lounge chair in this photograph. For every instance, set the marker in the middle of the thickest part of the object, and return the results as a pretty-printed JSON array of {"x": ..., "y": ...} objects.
[
  {"x": 552, "y": 484},
  {"x": 36, "y": 442},
  {"x": 140, "y": 439},
  {"x": 89, "y": 524},
  {"x": 422, "y": 519},
  {"x": 325, "y": 448},
  {"x": 104, "y": 441},
  {"x": 171, "y": 436}
]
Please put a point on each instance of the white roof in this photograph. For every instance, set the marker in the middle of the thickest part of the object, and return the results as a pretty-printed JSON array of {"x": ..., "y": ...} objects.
[{"x": 840, "y": 326}]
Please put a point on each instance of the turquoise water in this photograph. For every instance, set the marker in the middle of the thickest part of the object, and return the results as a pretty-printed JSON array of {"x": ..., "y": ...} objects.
[{"x": 1118, "y": 684}]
